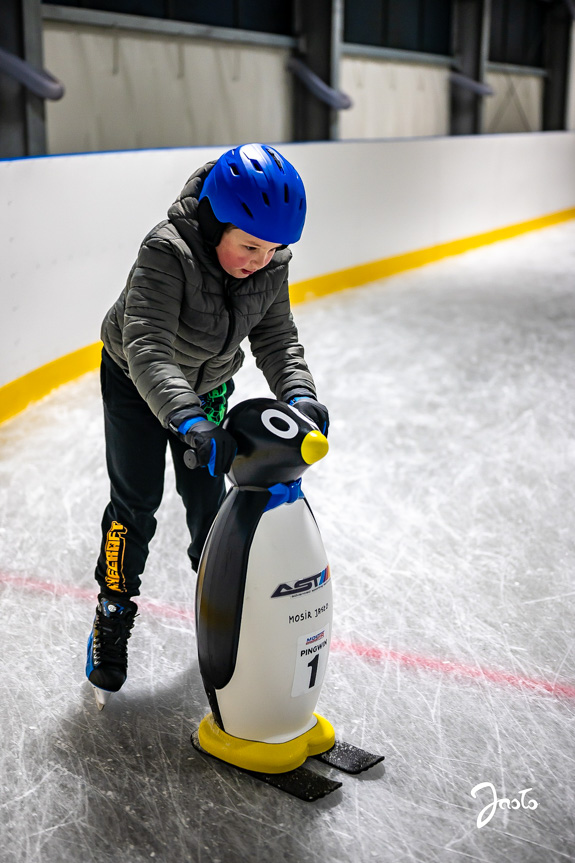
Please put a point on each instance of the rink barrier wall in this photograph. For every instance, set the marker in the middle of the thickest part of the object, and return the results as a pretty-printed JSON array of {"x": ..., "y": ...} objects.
[
  {"x": 363, "y": 274},
  {"x": 18, "y": 394},
  {"x": 410, "y": 202}
]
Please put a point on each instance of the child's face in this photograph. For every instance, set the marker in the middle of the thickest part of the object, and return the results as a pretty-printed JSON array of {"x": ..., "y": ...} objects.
[{"x": 241, "y": 254}]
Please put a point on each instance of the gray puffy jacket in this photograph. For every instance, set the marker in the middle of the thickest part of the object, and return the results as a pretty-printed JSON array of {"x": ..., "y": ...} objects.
[{"x": 176, "y": 328}]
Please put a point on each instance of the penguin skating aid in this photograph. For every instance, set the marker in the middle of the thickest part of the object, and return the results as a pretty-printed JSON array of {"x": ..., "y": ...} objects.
[{"x": 264, "y": 611}]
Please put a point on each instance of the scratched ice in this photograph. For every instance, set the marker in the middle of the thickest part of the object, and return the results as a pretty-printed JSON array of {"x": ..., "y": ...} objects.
[{"x": 446, "y": 505}]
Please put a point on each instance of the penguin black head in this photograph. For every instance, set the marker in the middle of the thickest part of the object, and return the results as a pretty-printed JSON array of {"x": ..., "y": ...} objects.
[{"x": 276, "y": 443}]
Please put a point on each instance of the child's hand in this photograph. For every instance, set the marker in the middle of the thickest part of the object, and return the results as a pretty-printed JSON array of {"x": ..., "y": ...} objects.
[
  {"x": 314, "y": 410},
  {"x": 215, "y": 448}
]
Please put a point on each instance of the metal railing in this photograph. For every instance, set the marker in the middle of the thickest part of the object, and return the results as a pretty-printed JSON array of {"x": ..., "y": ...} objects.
[
  {"x": 336, "y": 99},
  {"x": 40, "y": 82}
]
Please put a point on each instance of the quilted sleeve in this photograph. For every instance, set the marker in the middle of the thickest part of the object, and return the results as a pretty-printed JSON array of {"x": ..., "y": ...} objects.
[
  {"x": 153, "y": 302},
  {"x": 277, "y": 350}
]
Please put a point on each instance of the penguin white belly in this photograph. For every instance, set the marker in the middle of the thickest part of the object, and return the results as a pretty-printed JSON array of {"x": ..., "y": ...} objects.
[{"x": 285, "y": 630}]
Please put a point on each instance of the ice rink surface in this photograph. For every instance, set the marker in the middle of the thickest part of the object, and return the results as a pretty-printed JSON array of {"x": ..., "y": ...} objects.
[{"x": 446, "y": 506}]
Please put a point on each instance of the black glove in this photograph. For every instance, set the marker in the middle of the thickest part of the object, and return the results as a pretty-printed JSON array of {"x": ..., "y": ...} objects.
[
  {"x": 314, "y": 410},
  {"x": 215, "y": 448}
]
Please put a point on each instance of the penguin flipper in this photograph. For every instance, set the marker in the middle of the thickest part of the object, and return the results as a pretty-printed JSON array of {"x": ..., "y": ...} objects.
[{"x": 221, "y": 584}]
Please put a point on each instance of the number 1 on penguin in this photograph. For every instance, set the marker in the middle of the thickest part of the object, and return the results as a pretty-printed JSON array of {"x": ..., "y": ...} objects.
[
  {"x": 311, "y": 661},
  {"x": 313, "y": 665}
]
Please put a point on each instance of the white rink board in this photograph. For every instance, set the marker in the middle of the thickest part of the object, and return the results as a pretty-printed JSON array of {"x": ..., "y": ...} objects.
[{"x": 71, "y": 225}]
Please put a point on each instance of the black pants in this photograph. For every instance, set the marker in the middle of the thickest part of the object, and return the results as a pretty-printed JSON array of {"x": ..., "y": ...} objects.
[{"x": 135, "y": 456}]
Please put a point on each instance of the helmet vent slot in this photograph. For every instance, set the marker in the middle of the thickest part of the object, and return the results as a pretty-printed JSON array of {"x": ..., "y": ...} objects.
[
  {"x": 256, "y": 189},
  {"x": 275, "y": 157}
]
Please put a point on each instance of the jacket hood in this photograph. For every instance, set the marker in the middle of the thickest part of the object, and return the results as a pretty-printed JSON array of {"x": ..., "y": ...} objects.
[{"x": 184, "y": 211}]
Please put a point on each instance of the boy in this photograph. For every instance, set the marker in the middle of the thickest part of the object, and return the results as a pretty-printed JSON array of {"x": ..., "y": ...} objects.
[{"x": 212, "y": 274}]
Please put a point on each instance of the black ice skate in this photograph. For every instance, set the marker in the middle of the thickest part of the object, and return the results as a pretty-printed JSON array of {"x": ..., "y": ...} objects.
[{"x": 107, "y": 662}]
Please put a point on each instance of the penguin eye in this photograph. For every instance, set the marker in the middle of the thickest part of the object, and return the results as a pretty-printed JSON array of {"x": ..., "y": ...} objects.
[{"x": 279, "y": 424}]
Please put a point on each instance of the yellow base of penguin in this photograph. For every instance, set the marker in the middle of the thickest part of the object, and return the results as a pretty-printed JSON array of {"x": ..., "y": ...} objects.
[{"x": 265, "y": 757}]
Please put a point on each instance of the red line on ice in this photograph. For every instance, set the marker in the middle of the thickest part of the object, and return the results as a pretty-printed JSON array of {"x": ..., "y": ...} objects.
[
  {"x": 373, "y": 654},
  {"x": 377, "y": 654},
  {"x": 162, "y": 609}
]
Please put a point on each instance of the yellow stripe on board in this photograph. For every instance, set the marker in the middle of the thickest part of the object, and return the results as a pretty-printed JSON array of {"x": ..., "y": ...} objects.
[
  {"x": 353, "y": 277},
  {"x": 18, "y": 394}
]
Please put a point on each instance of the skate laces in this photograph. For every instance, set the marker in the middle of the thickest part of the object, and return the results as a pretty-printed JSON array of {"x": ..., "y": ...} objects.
[{"x": 112, "y": 631}]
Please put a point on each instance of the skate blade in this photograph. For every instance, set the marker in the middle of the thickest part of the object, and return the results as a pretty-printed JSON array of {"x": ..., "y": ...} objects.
[{"x": 102, "y": 697}]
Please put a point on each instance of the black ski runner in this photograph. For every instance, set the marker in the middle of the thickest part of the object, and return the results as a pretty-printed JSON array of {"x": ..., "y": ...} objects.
[
  {"x": 306, "y": 784},
  {"x": 303, "y": 783},
  {"x": 349, "y": 758}
]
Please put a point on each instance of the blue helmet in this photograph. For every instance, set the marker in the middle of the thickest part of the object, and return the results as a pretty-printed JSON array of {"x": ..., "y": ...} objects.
[{"x": 258, "y": 191}]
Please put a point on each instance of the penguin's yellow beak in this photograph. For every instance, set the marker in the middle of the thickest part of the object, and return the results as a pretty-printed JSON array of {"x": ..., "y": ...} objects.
[{"x": 314, "y": 446}]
